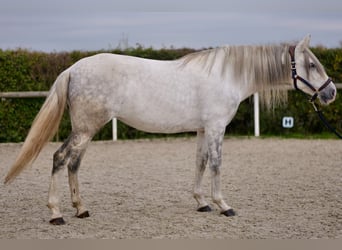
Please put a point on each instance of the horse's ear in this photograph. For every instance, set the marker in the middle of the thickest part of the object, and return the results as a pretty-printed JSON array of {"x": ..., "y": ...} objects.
[{"x": 304, "y": 43}]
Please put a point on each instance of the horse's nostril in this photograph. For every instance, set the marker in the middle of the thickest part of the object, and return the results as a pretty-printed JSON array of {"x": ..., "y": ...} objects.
[{"x": 333, "y": 92}]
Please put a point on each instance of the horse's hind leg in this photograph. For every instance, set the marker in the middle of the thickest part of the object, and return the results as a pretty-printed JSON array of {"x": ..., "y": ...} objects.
[
  {"x": 69, "y": 154},
  {"x": 73, "y": 167}
]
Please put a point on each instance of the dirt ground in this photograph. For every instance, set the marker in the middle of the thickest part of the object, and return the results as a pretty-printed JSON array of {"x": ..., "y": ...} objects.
[{"x": 288, "y": 189}]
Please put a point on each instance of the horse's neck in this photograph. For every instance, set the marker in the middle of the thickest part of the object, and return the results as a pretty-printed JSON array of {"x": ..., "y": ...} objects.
[{"x": 259, "y": 69}]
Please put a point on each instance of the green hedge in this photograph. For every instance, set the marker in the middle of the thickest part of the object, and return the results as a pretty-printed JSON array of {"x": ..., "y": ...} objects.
[{"x": 23, "y": 70}]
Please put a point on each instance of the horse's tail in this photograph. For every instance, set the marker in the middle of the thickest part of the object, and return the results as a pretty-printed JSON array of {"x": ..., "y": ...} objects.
[{"x": 44, "y": 126}]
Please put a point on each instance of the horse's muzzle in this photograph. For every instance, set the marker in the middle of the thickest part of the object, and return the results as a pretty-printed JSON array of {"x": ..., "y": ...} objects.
[{"x": 328, "y": 95}]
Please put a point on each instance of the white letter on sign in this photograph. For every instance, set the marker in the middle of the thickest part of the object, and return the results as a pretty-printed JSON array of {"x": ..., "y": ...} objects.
[{"x": 288, "y": 122}]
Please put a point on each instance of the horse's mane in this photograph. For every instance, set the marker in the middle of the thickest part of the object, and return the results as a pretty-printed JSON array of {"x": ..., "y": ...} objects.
[{"x": 265, "y": 66}]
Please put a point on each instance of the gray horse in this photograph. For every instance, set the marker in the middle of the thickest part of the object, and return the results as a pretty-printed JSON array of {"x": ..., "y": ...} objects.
[{"x": 199, "y": 92}]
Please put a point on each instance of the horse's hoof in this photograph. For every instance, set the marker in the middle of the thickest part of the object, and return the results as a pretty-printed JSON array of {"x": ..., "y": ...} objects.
[
  {"x": 229, "y": 213},
  {"x": 204, "y": 209},
  {"x": 83, "y": 215},
  {"x": 57, "y": 221}
]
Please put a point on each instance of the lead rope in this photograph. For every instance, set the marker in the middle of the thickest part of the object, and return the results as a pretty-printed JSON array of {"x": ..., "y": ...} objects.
[{"x": 324, "y": 120}]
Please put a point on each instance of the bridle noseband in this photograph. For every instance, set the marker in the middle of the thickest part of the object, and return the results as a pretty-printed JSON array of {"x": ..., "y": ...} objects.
[{"x": 296, "y": 77}]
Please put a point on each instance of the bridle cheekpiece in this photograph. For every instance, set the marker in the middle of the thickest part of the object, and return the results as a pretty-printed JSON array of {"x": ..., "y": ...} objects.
[{"x": 296, "y": 77}]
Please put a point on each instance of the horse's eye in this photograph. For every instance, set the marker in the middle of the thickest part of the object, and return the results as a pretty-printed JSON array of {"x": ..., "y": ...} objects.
[{"x": 312, "y": 65}]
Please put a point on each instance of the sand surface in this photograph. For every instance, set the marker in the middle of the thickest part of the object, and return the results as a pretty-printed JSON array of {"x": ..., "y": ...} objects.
[{"x": 289, "y": 189}]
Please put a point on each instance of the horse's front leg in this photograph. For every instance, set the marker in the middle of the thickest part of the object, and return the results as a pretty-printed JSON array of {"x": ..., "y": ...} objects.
[
  {"x": 201, "y": 163},
  {"x": 215, "y": 140}
]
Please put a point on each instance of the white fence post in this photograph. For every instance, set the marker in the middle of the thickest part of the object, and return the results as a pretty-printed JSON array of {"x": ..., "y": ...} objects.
[
  {"x": 115, "y": 129},
  {"x": 256, "y": 115}
]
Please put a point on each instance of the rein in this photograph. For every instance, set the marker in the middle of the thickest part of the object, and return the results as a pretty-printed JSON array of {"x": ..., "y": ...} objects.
[{"x": 312, "y": 99}]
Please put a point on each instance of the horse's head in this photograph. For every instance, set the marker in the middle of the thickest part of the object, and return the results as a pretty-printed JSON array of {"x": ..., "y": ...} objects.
[{"x": 309, "y": 75}]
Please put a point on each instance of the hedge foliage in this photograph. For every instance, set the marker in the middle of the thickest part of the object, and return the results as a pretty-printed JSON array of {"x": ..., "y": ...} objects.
[{"x": 23, "y": 70}]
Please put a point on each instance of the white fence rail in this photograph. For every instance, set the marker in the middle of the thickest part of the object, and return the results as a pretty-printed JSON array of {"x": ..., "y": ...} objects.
[
  {"x": 37, "y": 94},
  {"x": 43, "y": 94}
]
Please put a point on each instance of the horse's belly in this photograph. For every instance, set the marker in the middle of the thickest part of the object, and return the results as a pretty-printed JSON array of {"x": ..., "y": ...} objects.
[{"x": 166, "y": 122}]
